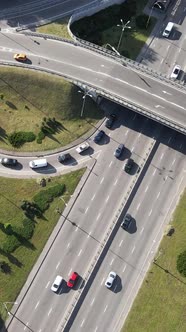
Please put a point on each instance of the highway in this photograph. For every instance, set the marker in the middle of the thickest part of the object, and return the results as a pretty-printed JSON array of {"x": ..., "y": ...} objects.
[{"x": 100, "y": 72}]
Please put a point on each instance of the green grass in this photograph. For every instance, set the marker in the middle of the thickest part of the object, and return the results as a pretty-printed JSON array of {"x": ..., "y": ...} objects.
[
  {"x": 13, "y": 191},
  {"x": 160, "y": 304},
  {"x": 28, "y": 97},
  {"x": 58, "y": 28}
]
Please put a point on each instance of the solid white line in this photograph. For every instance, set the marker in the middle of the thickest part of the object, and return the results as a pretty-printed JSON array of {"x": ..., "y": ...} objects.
[
  {"x": 111, "y": 261},
  {"x": 93, "y": 197},
  {"x": 154, "y": 172},
  {"x": 49, "y": 311},
  {"x": 80, "y": 252},
  {"x": 146, "y": 188},
  {"x": 138, "y": 206},
  {"x": 158, "y": 194},
  {"x": 101, "y": 180},
  {"x": 106, "y": 308},
  {"x": 107, "y": 199},
  {"x": 47, "y": 284},
  {"x": 142, "y": 230},
  {"x": 120, "y": 243},
  {"x": 57, "y": 265},
  {"x": 110, "y": 163},
  {"x": 98, "y": 216},
  {"x": 150, "y": 213},
  {"x": 133, "y": 249},
  {"x": 82, "y": 323},
  {"x": 102, "y": 281},
  {"x": 92, "y": 301},
  {"x": 37, "y": 305},
  {"x": 124, "y": 268}
]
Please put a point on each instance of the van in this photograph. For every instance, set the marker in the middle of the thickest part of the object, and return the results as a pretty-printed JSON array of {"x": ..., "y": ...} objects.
[
  {"x": 168, "y": 29},
  {"x": 38, "y": 163}
]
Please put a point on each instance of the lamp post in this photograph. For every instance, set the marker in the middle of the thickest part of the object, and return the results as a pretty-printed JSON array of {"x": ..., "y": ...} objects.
[
  {"x": 113, "y": 48},
  {"x": 86, "y": 93},
  {"x": 123, "y": 26},
  {"x": 150, "y": 14},
  {"x": 5, "y": 306}
]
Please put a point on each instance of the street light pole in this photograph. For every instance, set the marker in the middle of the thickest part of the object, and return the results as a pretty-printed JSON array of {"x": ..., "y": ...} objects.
[
  {"x": 113, "y": 48},
  {"x": 5, "y": 306},
  {"x": 150, "y": 14},
  {"x": 123, "y": 26},
  {"x": 84, "y": 97}
]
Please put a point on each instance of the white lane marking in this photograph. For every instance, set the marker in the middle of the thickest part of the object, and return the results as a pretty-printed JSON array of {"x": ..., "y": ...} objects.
[
  {"x": 102, "y": 281},
  {"x": 93, "y": 197},
  {"x": 107, "y": 199},
  {"x": 157, "y": 106},
  {"x": 57, "y": 265},
  {"x": 139, "y": 135},
  {"x": 167, "y": 93},
  {"x": 37, "y": 305},
  {"x": 98, "y": 216},
  {"x": 154, "y": 172},
  {"x": 138, "y": 206},
  {"x": 68, "y": 245},
  {"x": 96, "y": 329},
  {"x": 124, "y": 268},
  {"x": 86, "y": 209},
  {"x": 126, "y": 132},
  {"x": 132, "y": 149},
  {"x": 180, "y": 145},
  {"x": 162, "y": 155},
  {"x": 92, "y": 301},
  {"x": 169, "y": 139},
  {"x": 168, "y": 47},
  {"x": 146, "y": 188},
  {"x": 49, "y": 312},
  {"x": 120, "y": 243},
  {"x": 111, "y": 261},
  {"x": 82, "y": 323},
  {"x": 141, "y": 230},
  {"x": 150, "y": 213},
  {"x": 133, "y": 249},
  {"x": 80, "y": 252},
  {"x": 47, "y": 285},
  {"x": 101, "y": 180},
  {"x": 162, "y": 61},
  {"x": 134, "y": 117},
  {"x": 69, "y": 272},
  {"x": 173, "y": 162},
  {"x": 116, "y": 182},
  {"x": 77, "y": 228},
  {"x": 40, "y": 330},
  {"x": 115, "y": 288},
  {"x": 89, "y": 234},
  {"x": 110, "y": 163},
  {"x": 158, "y": 195},
  {"x": 106, "y": 308}
]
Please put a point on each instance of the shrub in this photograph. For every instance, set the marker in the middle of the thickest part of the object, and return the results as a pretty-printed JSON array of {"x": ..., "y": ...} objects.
[
  {"x": 41, "y": 135},
  {"x": 44, "y": 197},
  {"x": 17, "y": 139},
  {"x": 4, "y": 267},
  {"x": 39, "y": 141},
  {"x": 141, "y": 21},
  {"x": 181, "y": 263},
  {"x": 8, "y": 229},
  {"x": 11, "y": 244}
]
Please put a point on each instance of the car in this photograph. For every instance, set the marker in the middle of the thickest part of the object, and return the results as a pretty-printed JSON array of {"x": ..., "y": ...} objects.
[
  {"x": 20, "y": 57},
  {"x": 129, "y": 165},
  {"x": 82, "y": 147},
  {"x": 175, "y": 72},
  {"x": 127, "y": 220},
  {"x": 110, "y": 121},
  {"x": 64, "y": 157},
  {"x": 99, "y": 136},
  {"x": 119, "y": 150},
  {"x": 56, "y": 284},
  {"x": 110, "y": 279},
  {"x": 73, "y": 279},
  {"x": 8, "y": 161}
]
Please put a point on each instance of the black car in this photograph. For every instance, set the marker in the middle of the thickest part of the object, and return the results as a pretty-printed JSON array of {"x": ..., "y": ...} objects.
[
  {"x": 126, "y": 221},
  {"x": 99, "y": 136},
  {"x": 110, "y": 121},
  {"x": 129, "y": 165},
  {"x": 8, "y": 161},
  {"x": 119, "y": 150},
  {"x": 64, "y": 157}
]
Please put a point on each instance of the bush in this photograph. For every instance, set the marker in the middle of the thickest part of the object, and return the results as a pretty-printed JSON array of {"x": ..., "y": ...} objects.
[
  {"x": 11, "y": 244},
  {"x": 181, "y": 263},
  {"x": 26, "y": 231},
  {"x": 39, "y": 141},
  {"x": 17, "y": 139},
  {"x": 8, "y": 229},
  {"x": 44, "y": 197},
  {"x": 141, "y": 21},
  {"x": 41, "y": 135}
]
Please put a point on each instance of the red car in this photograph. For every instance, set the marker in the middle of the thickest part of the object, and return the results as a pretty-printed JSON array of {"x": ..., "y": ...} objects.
[{"x": 72, "y": 280}]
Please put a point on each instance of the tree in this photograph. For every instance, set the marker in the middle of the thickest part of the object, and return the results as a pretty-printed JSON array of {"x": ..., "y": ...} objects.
[{"x": 181, "y": 263}]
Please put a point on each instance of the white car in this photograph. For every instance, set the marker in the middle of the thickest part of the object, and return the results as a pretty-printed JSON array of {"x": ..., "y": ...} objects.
[
  {"x": 110, "y": 279},
  {"x": 175, "y": 72},
  {"x": 82, "y": 147},
  {"x": 56, "y": 284}
]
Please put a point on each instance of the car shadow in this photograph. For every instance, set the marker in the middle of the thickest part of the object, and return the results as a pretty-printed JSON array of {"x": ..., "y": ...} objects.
[
  {"x": 28, "y": 62},
  {"x": 133, "y": 227},
  {"x": 103, "y": 141},
  {"x": 126, "y": 154},
  {"x": 64, "y": 289},
  {"x": 117, "y": 285}
]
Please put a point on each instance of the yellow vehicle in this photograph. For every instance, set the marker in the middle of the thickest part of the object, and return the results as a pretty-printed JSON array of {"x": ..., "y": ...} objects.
[{"x": 20, "y": 57}]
